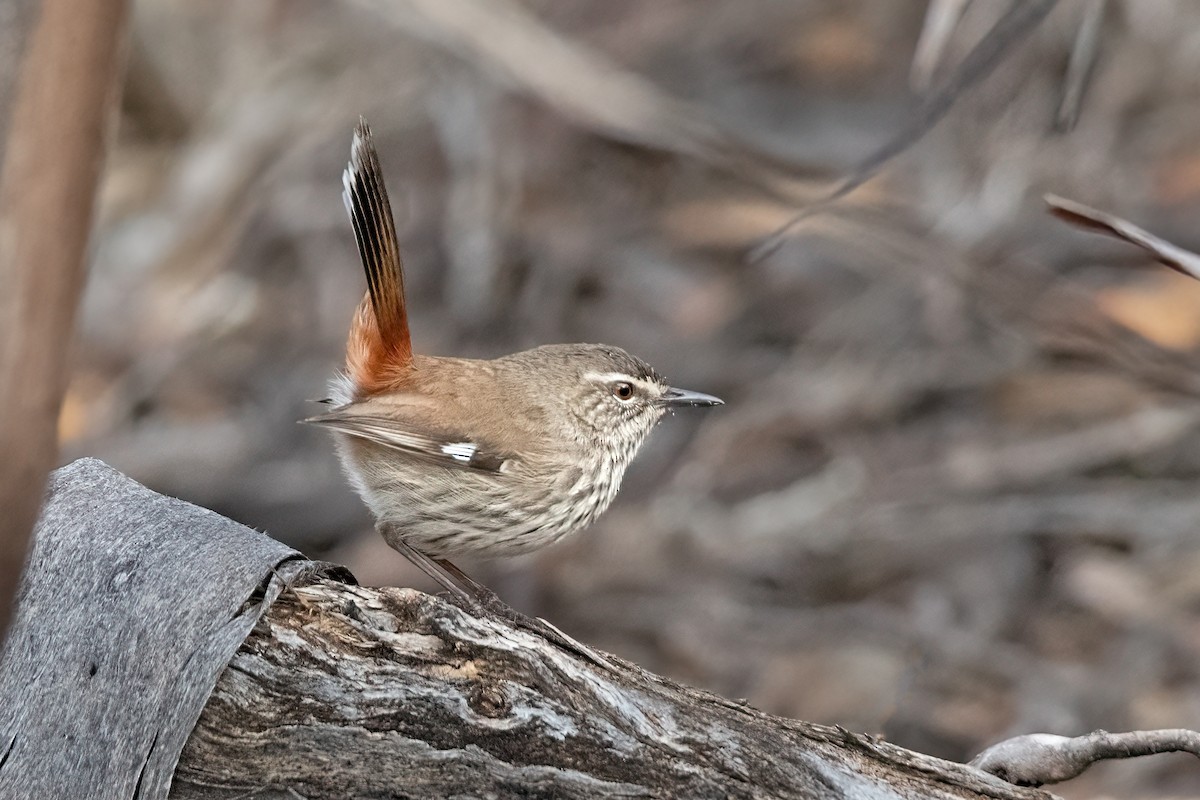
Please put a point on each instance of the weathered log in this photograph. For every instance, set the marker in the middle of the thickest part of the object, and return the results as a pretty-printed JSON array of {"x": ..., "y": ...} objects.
[
  {"x": 131, "y": 644},
  {"x": 344, "y": 691}
]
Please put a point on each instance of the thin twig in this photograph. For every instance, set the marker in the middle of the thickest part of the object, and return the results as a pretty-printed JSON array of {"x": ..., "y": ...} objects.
[
  {"x": 1182, "y": 261},
  {"x": 1017, "y": 22},
  {"x": 1036, "y": 759}
]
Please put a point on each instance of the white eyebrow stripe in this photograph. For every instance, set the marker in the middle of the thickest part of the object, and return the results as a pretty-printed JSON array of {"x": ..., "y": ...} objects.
[
  {"x": 460, "y": 451},
  {"x": 611, "y": 377}
]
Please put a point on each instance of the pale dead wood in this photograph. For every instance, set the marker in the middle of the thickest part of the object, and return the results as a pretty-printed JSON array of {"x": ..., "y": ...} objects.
[
  {"x": 1036, "y": 759},
  {"x": 349, "y": 691},
  {"x": 130, "y": 608},
  {"x": 54, "y": 152}
]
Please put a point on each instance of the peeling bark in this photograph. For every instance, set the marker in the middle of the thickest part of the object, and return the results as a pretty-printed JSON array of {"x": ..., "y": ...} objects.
[{"x": 346, "y": 691}]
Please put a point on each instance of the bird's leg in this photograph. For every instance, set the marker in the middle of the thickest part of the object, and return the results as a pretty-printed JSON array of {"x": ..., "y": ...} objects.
[
  {"x": 480, "y": 598},
  {"x": 430, "y": 567},
  {"x": 489, "y": 601},
  {"x": 482, "y": 594}
]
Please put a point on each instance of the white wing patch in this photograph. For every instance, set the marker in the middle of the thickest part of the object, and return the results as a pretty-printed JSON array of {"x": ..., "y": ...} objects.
[
  {"x": 390, "y": 433},
  {"x": 460, "y": 451}
]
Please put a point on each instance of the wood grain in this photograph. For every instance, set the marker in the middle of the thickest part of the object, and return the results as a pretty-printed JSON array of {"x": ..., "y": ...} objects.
[{"x": 347, "y": 691}]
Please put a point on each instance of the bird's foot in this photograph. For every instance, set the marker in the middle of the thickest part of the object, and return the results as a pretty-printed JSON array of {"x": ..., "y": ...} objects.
[
  {"x": 473, "y": 596},
  {"x": 496, "y": 607},
  {"x": 484, "y": 599}
]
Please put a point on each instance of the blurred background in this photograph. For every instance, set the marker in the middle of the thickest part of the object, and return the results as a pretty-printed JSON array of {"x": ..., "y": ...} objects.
[{"x": 953, "y": 495}]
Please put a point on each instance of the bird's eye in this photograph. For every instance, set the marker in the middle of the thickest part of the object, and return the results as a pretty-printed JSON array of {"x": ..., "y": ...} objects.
[{"x": 623, "y": 390}]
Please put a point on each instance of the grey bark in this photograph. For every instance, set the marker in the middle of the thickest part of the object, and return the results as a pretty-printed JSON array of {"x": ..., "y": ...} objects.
[
  {"x": 344, "y": 691},
  {"x": 130, "y": 607},
  {"x": 126, "y": 646}
]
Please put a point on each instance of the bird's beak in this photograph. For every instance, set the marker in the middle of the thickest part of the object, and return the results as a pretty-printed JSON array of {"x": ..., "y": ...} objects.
[{"x": 674, "y": 398}]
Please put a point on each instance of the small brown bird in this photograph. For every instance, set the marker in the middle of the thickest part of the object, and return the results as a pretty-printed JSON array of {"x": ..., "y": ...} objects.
[{"x": 460, "y": 456}]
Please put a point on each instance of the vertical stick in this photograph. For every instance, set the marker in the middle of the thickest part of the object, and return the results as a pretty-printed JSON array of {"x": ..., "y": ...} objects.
[{"x": 54, "y": 151}]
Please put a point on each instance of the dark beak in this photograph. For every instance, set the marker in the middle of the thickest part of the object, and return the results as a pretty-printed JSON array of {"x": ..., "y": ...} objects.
[{"x": 675, "y": 398}]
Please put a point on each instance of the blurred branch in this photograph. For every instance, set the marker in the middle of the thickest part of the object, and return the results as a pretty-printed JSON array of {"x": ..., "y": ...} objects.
[
  {"x": 1182, "y": 261},
  {"x": 1036, "y": 759},
  {"x": 505, "y": 40},
  {"x": 941, "y": 18},
  {"x": 1079, "y": 68},
  {"x": 54, "y": 152},
  {"x": 1020, "y": 20},
  {"x": 1033, "y": 460}
]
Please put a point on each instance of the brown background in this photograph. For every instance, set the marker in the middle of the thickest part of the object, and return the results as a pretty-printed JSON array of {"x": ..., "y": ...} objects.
[{"x": 953, "y": 494}]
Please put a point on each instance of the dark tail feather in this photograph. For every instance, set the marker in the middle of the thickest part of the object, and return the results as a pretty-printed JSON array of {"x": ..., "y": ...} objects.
[{"x": 375, "y": 232}]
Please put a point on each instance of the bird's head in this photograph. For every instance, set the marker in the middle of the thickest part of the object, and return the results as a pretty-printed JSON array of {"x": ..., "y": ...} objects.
[{"x": 604, "y": 394}]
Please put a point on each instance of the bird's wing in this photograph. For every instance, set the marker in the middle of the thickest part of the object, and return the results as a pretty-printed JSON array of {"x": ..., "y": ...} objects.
[{"x": 407, "y": 436}]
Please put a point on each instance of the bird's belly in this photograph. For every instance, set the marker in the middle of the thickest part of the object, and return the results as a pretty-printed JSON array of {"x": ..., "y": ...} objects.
[
  {"x": 482, "y": 523},
  {"x": 453, "y": 512}
]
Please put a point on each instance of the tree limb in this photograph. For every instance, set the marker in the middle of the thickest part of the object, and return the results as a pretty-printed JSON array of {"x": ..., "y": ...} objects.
[
  {"x": 349, "y": 691},
  {"x": 54, "y": 150}
]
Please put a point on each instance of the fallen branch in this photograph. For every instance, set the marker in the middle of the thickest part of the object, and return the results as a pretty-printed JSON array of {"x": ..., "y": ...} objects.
[{"x": 348, "y": 691}]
